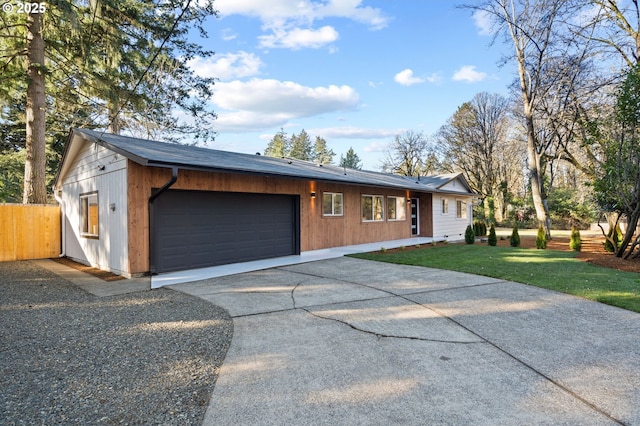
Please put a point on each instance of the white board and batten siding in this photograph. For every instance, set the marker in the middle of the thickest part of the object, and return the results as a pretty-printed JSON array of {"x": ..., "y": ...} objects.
[
  {"x": 97, "y": 169},
  {"x": 449, "y": 225}
]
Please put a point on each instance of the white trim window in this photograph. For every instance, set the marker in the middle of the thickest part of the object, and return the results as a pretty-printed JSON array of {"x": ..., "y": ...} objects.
[
  {"x": 461, "y": 209},
  {"x": 332, "y": 204},
  {"x": 373, "y": 208},
  {"x": 89, "y": 216},
  {"x": 445, "y": 206},
  {"x": 396, "y": 208}
]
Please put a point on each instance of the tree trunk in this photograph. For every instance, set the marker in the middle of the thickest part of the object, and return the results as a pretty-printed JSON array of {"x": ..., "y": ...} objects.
[
  {"x": 35, "y": 191},
  {"x": 534, "y": 175},
  {"x": 114, "y": 120},
  {"x": 632, "y": 224}
]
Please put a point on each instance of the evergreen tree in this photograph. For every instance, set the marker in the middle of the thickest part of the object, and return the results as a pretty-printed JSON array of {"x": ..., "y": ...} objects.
[
  {"x": 279, "y": 145},
  {"x": 575, "y": 243},
  {"x": 321, "y": 153},
  {"x": 301, "y": 146},
  {"x": 492, "y": 240},
  {"x": 120, "y": 64},
  {"x": 351, "y": 160},
  {"x": 541, "y": 238},
  {"x": 514, "y": 239},
  {"x": 469, "y": 235}
]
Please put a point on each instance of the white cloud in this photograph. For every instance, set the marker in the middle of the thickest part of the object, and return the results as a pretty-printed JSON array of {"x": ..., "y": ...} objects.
[
  {"x": 263, "y": 103},
  {"x": 406, "y": 78},
  {"x": 482, "y": 19},
  {"x": 248, "y": 121},
  {"x": 289, "y": 23},
  {"x": 298, "y": 38},
  {"x": 469, "y": 74},
  {"x": 349, "y": 132},
  {"x": 434, "y": 78},
  {"x": 272, "y": 96},
  {"x": 226, "y": 66},
  {"x": 303, "y": 11},
  {"x": 228, "y": 34},
  {"x": 377, "y": 146}
]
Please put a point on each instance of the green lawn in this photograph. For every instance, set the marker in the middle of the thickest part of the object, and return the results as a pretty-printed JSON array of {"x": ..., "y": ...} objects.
[{"x": 551, "y": 269}]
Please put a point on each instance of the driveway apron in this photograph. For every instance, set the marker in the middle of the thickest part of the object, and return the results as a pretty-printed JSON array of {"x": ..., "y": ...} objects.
[{"x": 348, "y": 341}]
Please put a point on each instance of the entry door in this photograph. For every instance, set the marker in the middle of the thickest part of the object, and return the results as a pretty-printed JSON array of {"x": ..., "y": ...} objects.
[{"x": 415, "y": 217}]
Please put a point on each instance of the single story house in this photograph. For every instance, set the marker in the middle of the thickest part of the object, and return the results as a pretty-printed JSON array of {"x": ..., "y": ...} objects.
[{"x": 134, "y": 207}]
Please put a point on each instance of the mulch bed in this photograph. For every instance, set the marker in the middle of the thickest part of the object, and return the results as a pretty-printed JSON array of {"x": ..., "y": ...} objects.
[
  {"x": 98, "y": 273},
  {"x": 592, "y": 250}
]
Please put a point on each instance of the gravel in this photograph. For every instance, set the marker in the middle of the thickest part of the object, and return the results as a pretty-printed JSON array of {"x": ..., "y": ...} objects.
[{"x": 68, "y": 357}]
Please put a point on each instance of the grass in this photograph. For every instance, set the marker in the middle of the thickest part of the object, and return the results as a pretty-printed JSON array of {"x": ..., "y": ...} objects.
[{"x": 550, "y": 269}]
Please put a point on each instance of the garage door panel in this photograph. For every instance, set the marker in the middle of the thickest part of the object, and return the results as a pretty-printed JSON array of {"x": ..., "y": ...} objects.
[{"x": 194, "y": 229}]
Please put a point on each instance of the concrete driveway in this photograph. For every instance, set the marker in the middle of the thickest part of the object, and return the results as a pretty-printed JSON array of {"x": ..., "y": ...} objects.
[{"x": 348, "y": 341}]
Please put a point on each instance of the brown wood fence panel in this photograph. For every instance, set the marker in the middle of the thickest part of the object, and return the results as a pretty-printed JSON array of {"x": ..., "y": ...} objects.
[{"x": 29, "y": 231}]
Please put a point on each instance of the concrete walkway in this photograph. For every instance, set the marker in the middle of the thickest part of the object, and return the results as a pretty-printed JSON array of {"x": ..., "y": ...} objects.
[
  {"x": 191, "y": 275},
  {"x": 347, "y": 341}
]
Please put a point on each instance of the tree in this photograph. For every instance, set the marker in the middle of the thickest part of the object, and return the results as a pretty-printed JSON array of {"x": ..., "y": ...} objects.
[
  {"x": 301, "y": 146},
  {"x": 477, "y": 142},
  {"x": 350, "y": 160},
  {"x": 279, "y": 145},
  {"x": 618, "y": 183},
  {"x": 321, "y": 153},
  {"x": 469, "y": 235},
  {"x": 117, "y": 64},
  {"x": 536, "y": 29},
  {"x": 35, "y": 191},
  {"x": 616, "y": 29},
  {"x": 408, "y": 155}
]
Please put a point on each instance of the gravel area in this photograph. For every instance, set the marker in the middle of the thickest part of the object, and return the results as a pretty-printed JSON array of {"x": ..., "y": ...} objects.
[{"x": 68, "y": 357}]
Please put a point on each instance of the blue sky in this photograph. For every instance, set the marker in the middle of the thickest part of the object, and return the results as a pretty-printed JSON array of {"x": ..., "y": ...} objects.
[{"x": 353, "y": 72}]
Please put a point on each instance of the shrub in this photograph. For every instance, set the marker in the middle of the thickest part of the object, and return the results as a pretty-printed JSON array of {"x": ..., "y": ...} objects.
[
  {"x": 492, "y": 240},
  {"x": 616, "y": 235},
  {"x": 469, "y": 235},
  {"x": 479, "y": 228},
  {"x": 541, "y": 238},
  {"x": 575, "y": 243},
  {"x": 514, "y": 239}
]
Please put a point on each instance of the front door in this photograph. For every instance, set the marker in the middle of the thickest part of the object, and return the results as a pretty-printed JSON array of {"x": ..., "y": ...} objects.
[{"x": 415, "y": 217}]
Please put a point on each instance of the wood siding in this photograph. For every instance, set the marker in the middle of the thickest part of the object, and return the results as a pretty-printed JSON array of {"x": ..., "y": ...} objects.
[
  {"x": 316, "y": 230},
  {"x": 29, "y": 231},
  {"x": 97, "y": 169}
]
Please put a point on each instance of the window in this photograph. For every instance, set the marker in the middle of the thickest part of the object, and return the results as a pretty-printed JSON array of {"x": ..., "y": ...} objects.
[
  {"x": 89, "y": 215},
  {"x": 372, "y": 208},
  {"x": 445, "y": 206},
  {"x": 332, "y": 204},
  {"x": 461, "y": 209},
  {"x": 396, "y": 208}
]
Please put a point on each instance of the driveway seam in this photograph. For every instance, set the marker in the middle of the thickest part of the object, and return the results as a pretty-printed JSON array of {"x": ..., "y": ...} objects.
[{"x": 483, "y": 339}]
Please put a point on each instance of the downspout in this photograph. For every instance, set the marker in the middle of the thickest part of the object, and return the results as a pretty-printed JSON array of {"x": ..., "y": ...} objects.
[
  {"x": 63, "y": 225},
  {"x": 152, "y": 198}
]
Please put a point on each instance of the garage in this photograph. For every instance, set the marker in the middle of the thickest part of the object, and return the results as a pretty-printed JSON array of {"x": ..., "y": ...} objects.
[{"x": 196, "y": 229}]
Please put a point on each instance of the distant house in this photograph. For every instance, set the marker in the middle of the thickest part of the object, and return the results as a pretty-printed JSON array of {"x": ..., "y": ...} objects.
[{"x": 133, "y": 206}]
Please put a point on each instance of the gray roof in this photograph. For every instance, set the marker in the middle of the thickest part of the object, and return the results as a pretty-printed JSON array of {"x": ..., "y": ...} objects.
[{"x": 164, "y": 154}]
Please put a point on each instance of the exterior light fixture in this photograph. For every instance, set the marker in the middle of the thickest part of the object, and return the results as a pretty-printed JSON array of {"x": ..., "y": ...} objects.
[{"x": 313, "y": 194}]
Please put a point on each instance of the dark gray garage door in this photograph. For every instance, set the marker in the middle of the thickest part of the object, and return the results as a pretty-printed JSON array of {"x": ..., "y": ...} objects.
[{"x": 195, "y": 229}]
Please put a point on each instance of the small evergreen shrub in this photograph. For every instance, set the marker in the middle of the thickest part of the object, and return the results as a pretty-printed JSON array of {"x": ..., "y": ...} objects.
[
  {"x": 469, "y": 235},
  {"x": 541, "y": 238},
  {"x": 493, "y": 239},
  {"x": 479, "y": 228},
  {"x": 514, "y": 239},
  {"x": 575, "y": 243}
]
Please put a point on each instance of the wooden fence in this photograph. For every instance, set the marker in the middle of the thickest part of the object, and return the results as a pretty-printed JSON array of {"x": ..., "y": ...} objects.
[{"x": 29, "y": 231}]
